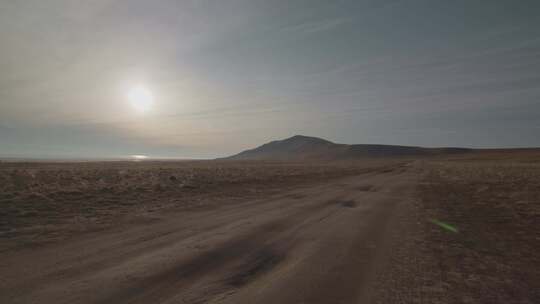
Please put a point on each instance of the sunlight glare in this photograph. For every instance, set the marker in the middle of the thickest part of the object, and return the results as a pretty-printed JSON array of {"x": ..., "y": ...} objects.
[
  {"x": 140, "y": 98},
  {"x": 139, "y": 157}
]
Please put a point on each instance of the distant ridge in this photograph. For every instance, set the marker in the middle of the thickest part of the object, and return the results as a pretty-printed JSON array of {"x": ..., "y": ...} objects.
[{"x": 300, "y": 147}]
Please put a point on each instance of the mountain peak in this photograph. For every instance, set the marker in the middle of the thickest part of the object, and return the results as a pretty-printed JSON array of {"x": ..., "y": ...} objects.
[
  {"x": 295, "y": 147},
  {"x": 304, "y": 138},
  {"x": 302, "y": 147}
]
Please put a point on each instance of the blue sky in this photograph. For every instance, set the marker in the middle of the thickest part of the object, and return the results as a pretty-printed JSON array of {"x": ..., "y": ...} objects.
[{"x": 230, "y": 75}]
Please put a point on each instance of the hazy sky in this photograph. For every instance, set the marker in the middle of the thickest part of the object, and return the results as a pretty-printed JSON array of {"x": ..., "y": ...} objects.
[{"x": 229, "y": 75}]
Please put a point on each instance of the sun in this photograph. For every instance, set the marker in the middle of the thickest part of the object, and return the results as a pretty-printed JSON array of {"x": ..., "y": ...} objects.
[{"x": 140, "y": 98}]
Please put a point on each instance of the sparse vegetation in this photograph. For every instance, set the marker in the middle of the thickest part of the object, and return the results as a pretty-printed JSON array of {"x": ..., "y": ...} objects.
[
  {"x": 48, "y": 201},
  {"x": 496, "y": 208}
]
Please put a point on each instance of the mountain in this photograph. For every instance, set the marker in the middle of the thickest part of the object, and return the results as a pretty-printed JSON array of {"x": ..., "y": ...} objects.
[{"x": 301, "y": 147}]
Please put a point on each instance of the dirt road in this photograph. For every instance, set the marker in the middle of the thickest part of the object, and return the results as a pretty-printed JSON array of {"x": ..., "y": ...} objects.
[{"x": 319, "y": 244}]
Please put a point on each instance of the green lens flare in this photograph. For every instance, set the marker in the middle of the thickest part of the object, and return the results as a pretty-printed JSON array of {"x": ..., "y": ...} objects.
[{"x": 444, "y": 225}]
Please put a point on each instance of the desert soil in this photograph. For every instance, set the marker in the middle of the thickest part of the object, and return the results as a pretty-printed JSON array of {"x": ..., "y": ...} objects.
[{"x": 347, "y": 233}]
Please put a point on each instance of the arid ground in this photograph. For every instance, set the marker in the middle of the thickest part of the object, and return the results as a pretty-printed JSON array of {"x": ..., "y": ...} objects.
[{"x": 464, "y": 229}]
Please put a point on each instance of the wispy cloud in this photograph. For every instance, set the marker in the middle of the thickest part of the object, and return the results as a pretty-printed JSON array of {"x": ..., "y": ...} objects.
[
  {"x": 229, "y": 73},
  {"x": 318, "y": 26}
]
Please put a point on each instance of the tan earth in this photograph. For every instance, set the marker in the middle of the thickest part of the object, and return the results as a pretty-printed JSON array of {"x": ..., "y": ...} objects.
[{"x": 358, "y": 238}]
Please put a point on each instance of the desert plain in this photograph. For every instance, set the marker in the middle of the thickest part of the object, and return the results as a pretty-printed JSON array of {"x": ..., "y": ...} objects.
[{"x": 443, "y": 229}]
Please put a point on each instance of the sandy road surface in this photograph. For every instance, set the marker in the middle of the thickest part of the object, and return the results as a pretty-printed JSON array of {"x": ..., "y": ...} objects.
[{"x": 320, "y": 244}]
